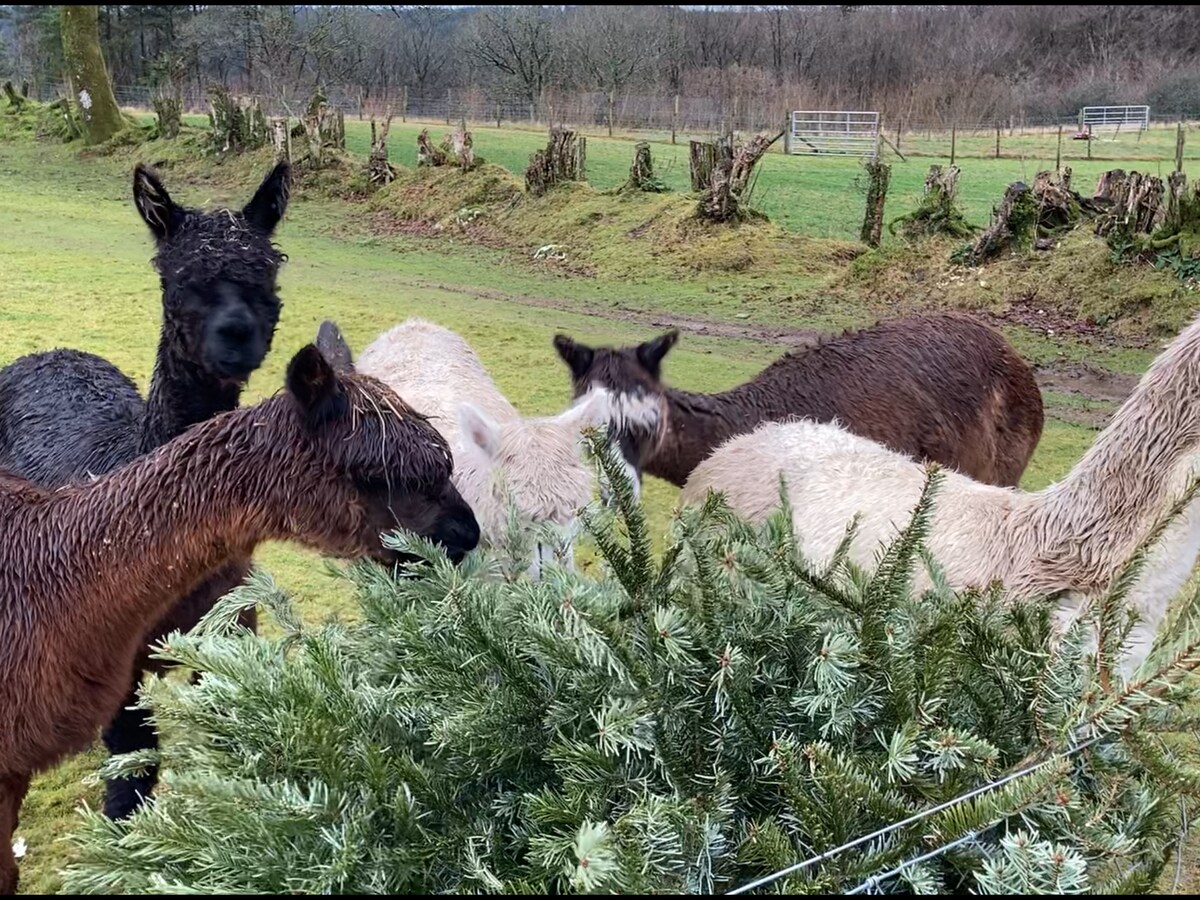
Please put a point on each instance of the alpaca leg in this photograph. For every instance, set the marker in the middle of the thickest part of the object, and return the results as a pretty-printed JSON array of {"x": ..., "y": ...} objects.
[
  {"x": 12, "y": 792},
  {"x": 130, "y": 729}
]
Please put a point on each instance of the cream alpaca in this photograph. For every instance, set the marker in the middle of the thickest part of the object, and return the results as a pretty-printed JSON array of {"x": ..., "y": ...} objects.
[
  {"x": 537, "y": 460},
  {"x": 1073, "y": 536}
]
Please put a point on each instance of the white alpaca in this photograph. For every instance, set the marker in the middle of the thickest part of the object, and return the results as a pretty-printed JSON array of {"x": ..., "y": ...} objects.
[
  {"x": 1073, "y": 536},
  {"x": 537, "y": 460}
]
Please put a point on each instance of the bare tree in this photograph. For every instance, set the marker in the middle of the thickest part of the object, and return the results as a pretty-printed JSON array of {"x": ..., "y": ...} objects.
[
  {"x": 519, "y": 43},
  {"x": 614, "y": 44},
  {"x": 913, "y": 63},
  {"x": 424, "y": 42},
  {"x": 672, "y": 46},
  {"x": 724, "y": 36}
]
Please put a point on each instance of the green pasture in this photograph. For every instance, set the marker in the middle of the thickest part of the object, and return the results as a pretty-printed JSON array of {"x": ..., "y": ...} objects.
[{"x": 821, "y": 197}]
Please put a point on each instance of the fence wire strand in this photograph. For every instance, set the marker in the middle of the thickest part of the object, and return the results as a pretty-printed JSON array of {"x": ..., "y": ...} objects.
[{"x": 916, "y": 817}]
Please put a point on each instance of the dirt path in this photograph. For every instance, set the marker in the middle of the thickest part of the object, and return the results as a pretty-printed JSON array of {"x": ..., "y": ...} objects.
[{"x": 1064, "y": 376}]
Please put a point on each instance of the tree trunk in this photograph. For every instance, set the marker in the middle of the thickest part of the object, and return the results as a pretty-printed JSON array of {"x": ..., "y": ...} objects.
[
  {"x": 1014, "y": 227},
  {"x": 427, "y": 154},
  {"x": 937, "y": 213},
  {"x": 723, "y": 199},
  {"x": 641, "y": 172},
  {"x": 1176, "y": 201},
  {"x": 169, "y": 111},
  {"x": 91, "y": 90},
  {"x": 324, "y": 129},
  {"x": 1111, "y": 187},
  {"x": 563, "y": 159},
  {"x": 379, "y": 170},
  {"x": 1134, "y": 202},
  {"x": 941, "y": 185},
  {"x": 237, "y": 124},
  {"x": 461, "y": 148},
  {"x": 281, "y": 140},
  {"x": 15, "y": 100},
  {"x": 702, "y": 157},
  {"x": 880, "y": 174}
]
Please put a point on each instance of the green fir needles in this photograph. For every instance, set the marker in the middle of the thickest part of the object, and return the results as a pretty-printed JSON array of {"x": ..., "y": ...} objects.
[{"x": 683, "y": 723}]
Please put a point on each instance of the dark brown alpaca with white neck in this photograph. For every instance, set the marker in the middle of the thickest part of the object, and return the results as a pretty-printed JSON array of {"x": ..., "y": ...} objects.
[
  {"x": 330, "y": 464},
  {"x": 945, "y": 388}
]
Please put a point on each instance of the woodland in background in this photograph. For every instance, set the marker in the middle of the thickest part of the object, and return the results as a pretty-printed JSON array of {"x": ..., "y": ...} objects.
[{"x": 921, "y": 64}]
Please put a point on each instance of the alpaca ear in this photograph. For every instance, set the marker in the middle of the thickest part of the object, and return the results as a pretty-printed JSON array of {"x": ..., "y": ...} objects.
[
  {"x": 314, "y": 384},
  {"x": 594, "y": 409},
  {"x": 270, "y": 201},
  {"x": 578, "y": 357},
  {"x": 162, "y": 214},
  {"x": 334, "y": 347},
  {"x": 651, "y": 353},
  {"x": 478, "y": 430}
]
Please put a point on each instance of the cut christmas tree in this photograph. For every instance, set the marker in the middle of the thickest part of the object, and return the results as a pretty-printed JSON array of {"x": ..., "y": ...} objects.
[{"x": 688, "y": 723}]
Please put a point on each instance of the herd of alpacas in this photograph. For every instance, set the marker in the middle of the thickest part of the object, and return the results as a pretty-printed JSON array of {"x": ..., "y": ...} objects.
[{"x": 127, "y": 518}]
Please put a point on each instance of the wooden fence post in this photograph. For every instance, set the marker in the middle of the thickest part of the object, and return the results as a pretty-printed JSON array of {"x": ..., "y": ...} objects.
[
  {"x": 997, "y": 140},
  {"x": 1058, "y": 153},
  {"x": 1179, "y": 147},
  {"x": 404, "y": 103},
  {"x": 675, "y": 119},
  {"x": 953, "y": 140}
]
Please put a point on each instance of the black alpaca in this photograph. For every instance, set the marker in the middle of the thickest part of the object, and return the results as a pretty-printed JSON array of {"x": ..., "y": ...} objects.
[{"x": 66, "y": 415}]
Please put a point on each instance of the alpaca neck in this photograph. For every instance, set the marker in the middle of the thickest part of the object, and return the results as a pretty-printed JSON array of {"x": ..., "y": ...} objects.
[
  {"x": 697, "y": 424},
  {"x": 1135, "y": 470},
  {"x": 182, "y": 394},
  {"x": 134, "y": 541}
]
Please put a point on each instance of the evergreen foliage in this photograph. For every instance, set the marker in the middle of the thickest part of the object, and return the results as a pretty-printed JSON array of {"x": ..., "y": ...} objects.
[{"x": 686, "y": 723}]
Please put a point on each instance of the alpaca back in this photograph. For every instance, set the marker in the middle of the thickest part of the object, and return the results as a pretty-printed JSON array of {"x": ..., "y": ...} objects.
[
  {"x": 946, "y": 388},
  {"x": 1063, "y": 542},
  {"x": 66, "y": 415},
  {"x": 434, "y": 369},
  {"x": 832, "y": 476}
]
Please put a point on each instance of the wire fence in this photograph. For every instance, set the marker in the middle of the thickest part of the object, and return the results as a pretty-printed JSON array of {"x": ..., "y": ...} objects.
[
  {"x": 877, "y": 879},
  {"x": 680, "y": 118}
]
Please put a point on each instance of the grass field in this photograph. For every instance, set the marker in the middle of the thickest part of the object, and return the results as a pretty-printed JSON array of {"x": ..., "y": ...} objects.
[
  {"x": 820, "y": 197},
  {"x": 74, "y": 262}
]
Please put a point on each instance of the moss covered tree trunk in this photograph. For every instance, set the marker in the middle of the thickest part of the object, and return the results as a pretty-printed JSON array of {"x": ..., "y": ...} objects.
[
  {"x": 723, "y": 200},
  {"x": 15, "y": 100},
  {"x": 169, "y": 110},
  {"x": 564, "y": 159},
  {"x": 879, "y": 175},
  {"x": 379, "y": 170},
  {"x": 937, "y": 213},
  {"x": 1014, "y": 226},
  {"x": 91, "y": 89}
]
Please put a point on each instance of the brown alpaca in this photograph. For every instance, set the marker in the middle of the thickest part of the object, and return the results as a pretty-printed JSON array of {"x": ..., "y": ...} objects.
[
  {"x": 945, "y": 388},
  {"x": 330, "y": 463}
]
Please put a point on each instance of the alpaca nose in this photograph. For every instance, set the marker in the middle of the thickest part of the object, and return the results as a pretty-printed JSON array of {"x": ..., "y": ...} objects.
[
  {"x": 459, "y": 535},
  {"x": 235, "y": 330}
]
